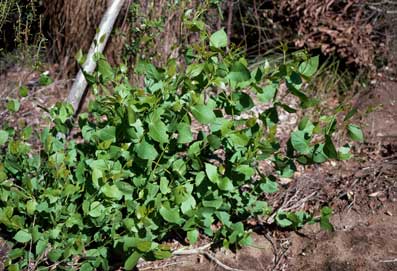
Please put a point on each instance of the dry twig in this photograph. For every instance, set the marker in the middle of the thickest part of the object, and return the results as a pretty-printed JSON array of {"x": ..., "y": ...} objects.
[{"x": 203, "y": 250}]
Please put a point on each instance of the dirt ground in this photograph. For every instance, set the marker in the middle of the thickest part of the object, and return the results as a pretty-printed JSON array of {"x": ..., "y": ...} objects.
[{"x": 361, "y": 191}]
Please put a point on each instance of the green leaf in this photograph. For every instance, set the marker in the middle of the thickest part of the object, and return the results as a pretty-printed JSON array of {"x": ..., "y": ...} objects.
[
  {"x": 194, "y": 149},
  {"x": 238, "y": 139},
  {"x": 96, "y": 209},
  {"x": 318, "y": 154},
  {"x": 350, "y": 114},
  {"x": 179, "y": 166},
  {"x": 286, "y": 107},
  {"x": 144, "y": 245},
  {"x": 90, "y": 78},
  {"x": 23, "y": 236},
  {"x": 54, "y": 255},
  {"x": 188, "y": 204},
  {"x": 184, "y": 133},
  {"x": 107, "y": 133},
  {"x": 203, "y": 113},
  {"x": 242, "y": 102},
  {"x": 282, "y": 220},
  {"x": 170, "y": 215},
  {"x": 226, "y": 184},
  {"x": 41, "y": 246},
  {"x": 105, "y": 70},
  {"x": 218, "y": 39},
  {"x": 344, "y": 153},
  {"x": 306, "y": 125},
  {"x": 355, "y": 133},
  {"x": 199, "y": 178},
  {"x": 192, "y": 236},
  {"x": 295, "y": 91},
  {"x": 27, "y": 132},
  {"x": 329, "y": 148},
  {"x": 326, "y": 211},
  {"x": 31, "y": 207},
  {"x": 325, "y": 224},
  {"x": 195, "y": 69},
  {"x": 164, "y": 185},
  {"x": 3, "y": 137},
  {"x": 162, "y": 254},
  {"x": 98, "y": 168},
  {"x": 239, "y": 73},
  {"x": 145, "y": 151},
  {"x": 214, "y": 141},
  {"x": 80, "y": 57},
  {"x": 224, "y": 218},
  {"x": 158, "y": 131},
  {"x": 212, "y": 173},
  {"x": 13, "y": 105},
  {"x": 102, "y": 38},
  {"x": 269, "y": 186},
  {"x": 246, "y": 241},
  {"x": 195, "y": 25},
  {"x": 13, "y": 267},
  {"x": 268, "y": 93},
  {"x": 247, "y": 170},
  {"x": 112, "y": 191},
  {"x": 45, "y": 79},
  {"x": 309, "y": 67},
  {"x": 86, "y": 267},
  {"x": 23, "y": 91},
  {"x": 216, "y": 203},
  {"x": 132, "y": 260},
  {"x": 148, "y": 69},
  {"x": 299, "y": 142}
]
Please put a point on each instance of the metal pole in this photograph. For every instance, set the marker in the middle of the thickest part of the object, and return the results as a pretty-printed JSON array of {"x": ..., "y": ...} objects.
[{"x": 105, "y": 28}]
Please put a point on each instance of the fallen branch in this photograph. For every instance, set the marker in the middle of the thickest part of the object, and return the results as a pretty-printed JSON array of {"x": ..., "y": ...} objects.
[
  {"x": 184, "y": 251},
  {"x": 389, "y": 261},
  {"x": 290, "y": 204},
  {"x": 218, "y": 262},
  {"x": 161, "y": 266},
  {"x": 203, "y": 250}
]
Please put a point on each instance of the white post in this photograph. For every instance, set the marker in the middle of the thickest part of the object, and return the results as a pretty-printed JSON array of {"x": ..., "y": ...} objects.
[{"x": 105, "y": 28}]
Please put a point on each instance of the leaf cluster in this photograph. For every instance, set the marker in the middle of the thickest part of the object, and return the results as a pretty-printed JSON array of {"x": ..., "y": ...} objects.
[{"x": 175, "y": 159}]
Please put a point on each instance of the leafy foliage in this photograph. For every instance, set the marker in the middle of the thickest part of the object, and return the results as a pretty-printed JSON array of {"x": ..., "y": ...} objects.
[{"x": 179, "y": 155}]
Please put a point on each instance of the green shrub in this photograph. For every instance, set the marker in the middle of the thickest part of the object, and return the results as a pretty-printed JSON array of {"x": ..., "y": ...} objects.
[{"x": 177, "y": 158}]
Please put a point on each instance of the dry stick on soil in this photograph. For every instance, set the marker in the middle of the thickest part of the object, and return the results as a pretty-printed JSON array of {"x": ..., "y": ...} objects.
[
  {"x": 275, "y": 251},
  {"x": 289, "y": 204},
  {"x": 277, "y": 256},
  {"x": 98, "y": 45},
  {"x": 203, "y": 250},
  {"x": 389, "y": 261},
  {"x": 280, "y": 257},
  {"x": 161, "y": 266}
]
